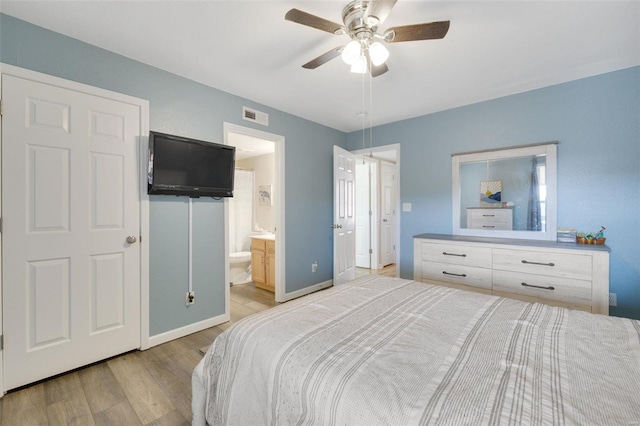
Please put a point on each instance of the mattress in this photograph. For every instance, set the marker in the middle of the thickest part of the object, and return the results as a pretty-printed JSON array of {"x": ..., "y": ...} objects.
[{"x": 382, "y": 350}]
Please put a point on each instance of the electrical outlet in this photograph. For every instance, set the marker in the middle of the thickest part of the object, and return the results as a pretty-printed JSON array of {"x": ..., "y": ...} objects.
[
  {"x": 613, "y": 300},
  {"x": 190, "y": 298},
  {"x": 314, "y": 266}
]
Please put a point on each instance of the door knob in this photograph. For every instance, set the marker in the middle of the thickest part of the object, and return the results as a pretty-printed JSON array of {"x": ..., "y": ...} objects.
[
  {"x": 384, "y": 220},
  {"x": 334, "y": 226},
  {"x": 131, "y": 239}
]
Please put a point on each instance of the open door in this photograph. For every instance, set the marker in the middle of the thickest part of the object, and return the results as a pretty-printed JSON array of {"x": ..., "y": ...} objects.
[{"x": 344, "y": 241}]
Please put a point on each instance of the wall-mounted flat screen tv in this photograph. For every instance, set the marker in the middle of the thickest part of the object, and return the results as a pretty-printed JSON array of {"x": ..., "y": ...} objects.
[{"x": 183, "y": 166}]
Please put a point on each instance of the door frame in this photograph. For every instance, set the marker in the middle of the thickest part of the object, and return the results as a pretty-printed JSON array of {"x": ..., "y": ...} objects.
[
  {"x": 279, "y": 203},
  {"x": 372, "y": 150},
  {"x": 372, "y": 166},
  {"x": 143, "y": 105}
]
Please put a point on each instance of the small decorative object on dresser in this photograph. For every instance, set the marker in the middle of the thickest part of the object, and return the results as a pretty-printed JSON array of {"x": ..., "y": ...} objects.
[
  {"x": 575, "y": 277},
  {"x": 591, "y": 237},
  {"x": 567, "y": 235}
]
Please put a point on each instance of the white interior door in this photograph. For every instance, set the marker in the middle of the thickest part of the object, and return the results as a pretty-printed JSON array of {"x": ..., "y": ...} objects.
[
  {"x": 70, "y": 197},
  {"x": 387, "y": 214},
  {"x": 363, "y": 214},
  {"x": 344, "y": 247}
]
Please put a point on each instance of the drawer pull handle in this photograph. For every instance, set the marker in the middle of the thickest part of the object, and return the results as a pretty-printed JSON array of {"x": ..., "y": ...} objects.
[
  {"x": 457, "y": 275},
  {"x": 538, "y": 286},
  {"x": 538, "y": 263},
  {"x": 488, "y": 215},
  {"x": 453, "y": 254},
  {"x": 488, "y": 226}
]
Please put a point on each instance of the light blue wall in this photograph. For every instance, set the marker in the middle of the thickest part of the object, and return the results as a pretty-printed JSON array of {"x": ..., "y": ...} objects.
[
  {"x": 181, "y": 106},
  {"x": 597, "y": 122}
]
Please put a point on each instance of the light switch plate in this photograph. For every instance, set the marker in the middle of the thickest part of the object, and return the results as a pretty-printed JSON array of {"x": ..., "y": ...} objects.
[{"x": 406, "y": 207}]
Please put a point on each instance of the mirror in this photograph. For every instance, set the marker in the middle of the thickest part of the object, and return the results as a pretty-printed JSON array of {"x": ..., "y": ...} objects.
[{"x": 506, "y": 193}]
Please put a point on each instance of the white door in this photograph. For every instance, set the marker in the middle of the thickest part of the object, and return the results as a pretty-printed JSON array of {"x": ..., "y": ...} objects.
[
  {"x": 70, "y": 198},
  {"x": 344, "y": 244},
  {"x": 387, "y": 214},
  {"x": 363, "y": 214}
]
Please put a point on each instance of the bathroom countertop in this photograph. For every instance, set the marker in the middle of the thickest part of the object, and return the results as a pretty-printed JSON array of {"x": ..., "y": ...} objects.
[{"x": 269, "y": 237}]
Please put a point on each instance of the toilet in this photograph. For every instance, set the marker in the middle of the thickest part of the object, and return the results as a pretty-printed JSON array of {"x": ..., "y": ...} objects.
[{"x": 240, "y": 267}]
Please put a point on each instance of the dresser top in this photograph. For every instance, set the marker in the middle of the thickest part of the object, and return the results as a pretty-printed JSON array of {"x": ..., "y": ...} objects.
[{"x": 514, "y": 242}]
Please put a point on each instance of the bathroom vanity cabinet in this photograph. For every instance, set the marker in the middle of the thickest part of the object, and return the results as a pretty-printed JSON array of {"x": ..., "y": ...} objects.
[{"x": 263, "y": 262}]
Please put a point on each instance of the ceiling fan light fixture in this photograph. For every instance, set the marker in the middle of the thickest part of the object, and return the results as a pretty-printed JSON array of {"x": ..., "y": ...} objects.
[
  {"x": 352, "y": 52},
  {"x": 378, "y": 53},
  {"x": 360, "y": 65}
]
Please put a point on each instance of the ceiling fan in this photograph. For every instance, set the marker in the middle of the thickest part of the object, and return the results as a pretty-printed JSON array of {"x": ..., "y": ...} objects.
[{"x": 366, "y": 50}]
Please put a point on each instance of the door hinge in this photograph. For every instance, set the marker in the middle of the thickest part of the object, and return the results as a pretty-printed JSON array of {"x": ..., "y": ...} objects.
[
  {"x": 1, "y": 107},
  {"x": 370, "y": 251},
  {"x": 1, "y": 342},
  {"x": 0, "y": 225}
]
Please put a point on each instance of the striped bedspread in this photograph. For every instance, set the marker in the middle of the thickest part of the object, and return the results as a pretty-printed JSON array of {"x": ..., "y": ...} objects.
[{"x": 386, "y": 351}]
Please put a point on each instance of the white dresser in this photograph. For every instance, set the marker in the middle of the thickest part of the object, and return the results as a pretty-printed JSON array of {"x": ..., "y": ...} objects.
[
  {"x": 490, "y": 218},
  {"x": 562, "y": 274}
]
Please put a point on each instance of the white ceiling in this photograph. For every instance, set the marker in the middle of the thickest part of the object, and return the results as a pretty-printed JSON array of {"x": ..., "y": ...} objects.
[{"x": 246, "y": 48}]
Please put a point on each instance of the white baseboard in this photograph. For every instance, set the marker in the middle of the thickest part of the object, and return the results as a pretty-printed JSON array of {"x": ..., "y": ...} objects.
[
  {"x": 167, "y": 336},
  {"x": 307, "y": 290}
]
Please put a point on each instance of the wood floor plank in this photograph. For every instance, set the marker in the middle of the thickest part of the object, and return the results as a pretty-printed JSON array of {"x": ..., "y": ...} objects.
[
  {"x": 25, "y": 407},
  {"x": 66, "y": 402},
  {"x": 173, "y": 418},
  {"x": 73, "y": 411},
  {"x": 172, "y": 379},
  {"x": 101, "y": 388},
  {"x": 117, "y": 415},
  {"x": 147, "y": 399}
]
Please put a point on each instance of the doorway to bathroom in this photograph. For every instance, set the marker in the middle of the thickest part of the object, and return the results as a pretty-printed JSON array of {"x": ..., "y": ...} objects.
[{"x": 254, "y": 224}]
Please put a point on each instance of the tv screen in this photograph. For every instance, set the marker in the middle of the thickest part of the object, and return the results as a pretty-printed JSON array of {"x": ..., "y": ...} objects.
[{"x": 183, "y": 166}]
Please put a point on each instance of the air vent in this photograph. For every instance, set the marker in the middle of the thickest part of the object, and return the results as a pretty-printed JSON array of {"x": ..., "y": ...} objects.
[{"x": 255, "y": 116}]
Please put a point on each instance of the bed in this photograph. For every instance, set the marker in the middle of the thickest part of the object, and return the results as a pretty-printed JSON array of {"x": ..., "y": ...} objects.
[{"x": 389, "y": 351}]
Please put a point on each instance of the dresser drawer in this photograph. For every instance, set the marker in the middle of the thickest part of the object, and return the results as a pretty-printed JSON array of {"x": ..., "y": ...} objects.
[
  {"x": 501, "y": 219},
  {"x": 545, "y": 287},
  {"x": 456, "y": 254},
  {"x": 457, "y": 274},
  {"x": 551, "y": 264}
]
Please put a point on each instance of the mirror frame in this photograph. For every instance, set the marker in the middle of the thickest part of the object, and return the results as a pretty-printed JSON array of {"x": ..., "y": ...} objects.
[{"x": 549, "y": 149}]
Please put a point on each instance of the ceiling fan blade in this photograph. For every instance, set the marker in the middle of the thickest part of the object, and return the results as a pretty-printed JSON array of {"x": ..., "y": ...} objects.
[
  {"x": 304, "y": 18},
  {"x": 430, "y": 31},
  {"x": 378, "y": 10},
  {"x": 323, "y": 59},
  {"x": 378, "y": 70}
]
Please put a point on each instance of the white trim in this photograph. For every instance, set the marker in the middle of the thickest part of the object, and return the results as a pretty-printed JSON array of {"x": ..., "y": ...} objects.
[
  {"x": 396, "y": 148},
  {"x": 143, "y": 105},
  {"x": 549, "y": 149},
  {"x": 144, "y": 228},
  {"x": 177, "y": 333},
  {"x": 308, "y": 290},
  {"x": 279, "y": 141}
]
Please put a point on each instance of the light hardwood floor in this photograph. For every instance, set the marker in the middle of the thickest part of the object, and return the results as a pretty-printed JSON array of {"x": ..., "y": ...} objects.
[{"x": 151, "y": 387}]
